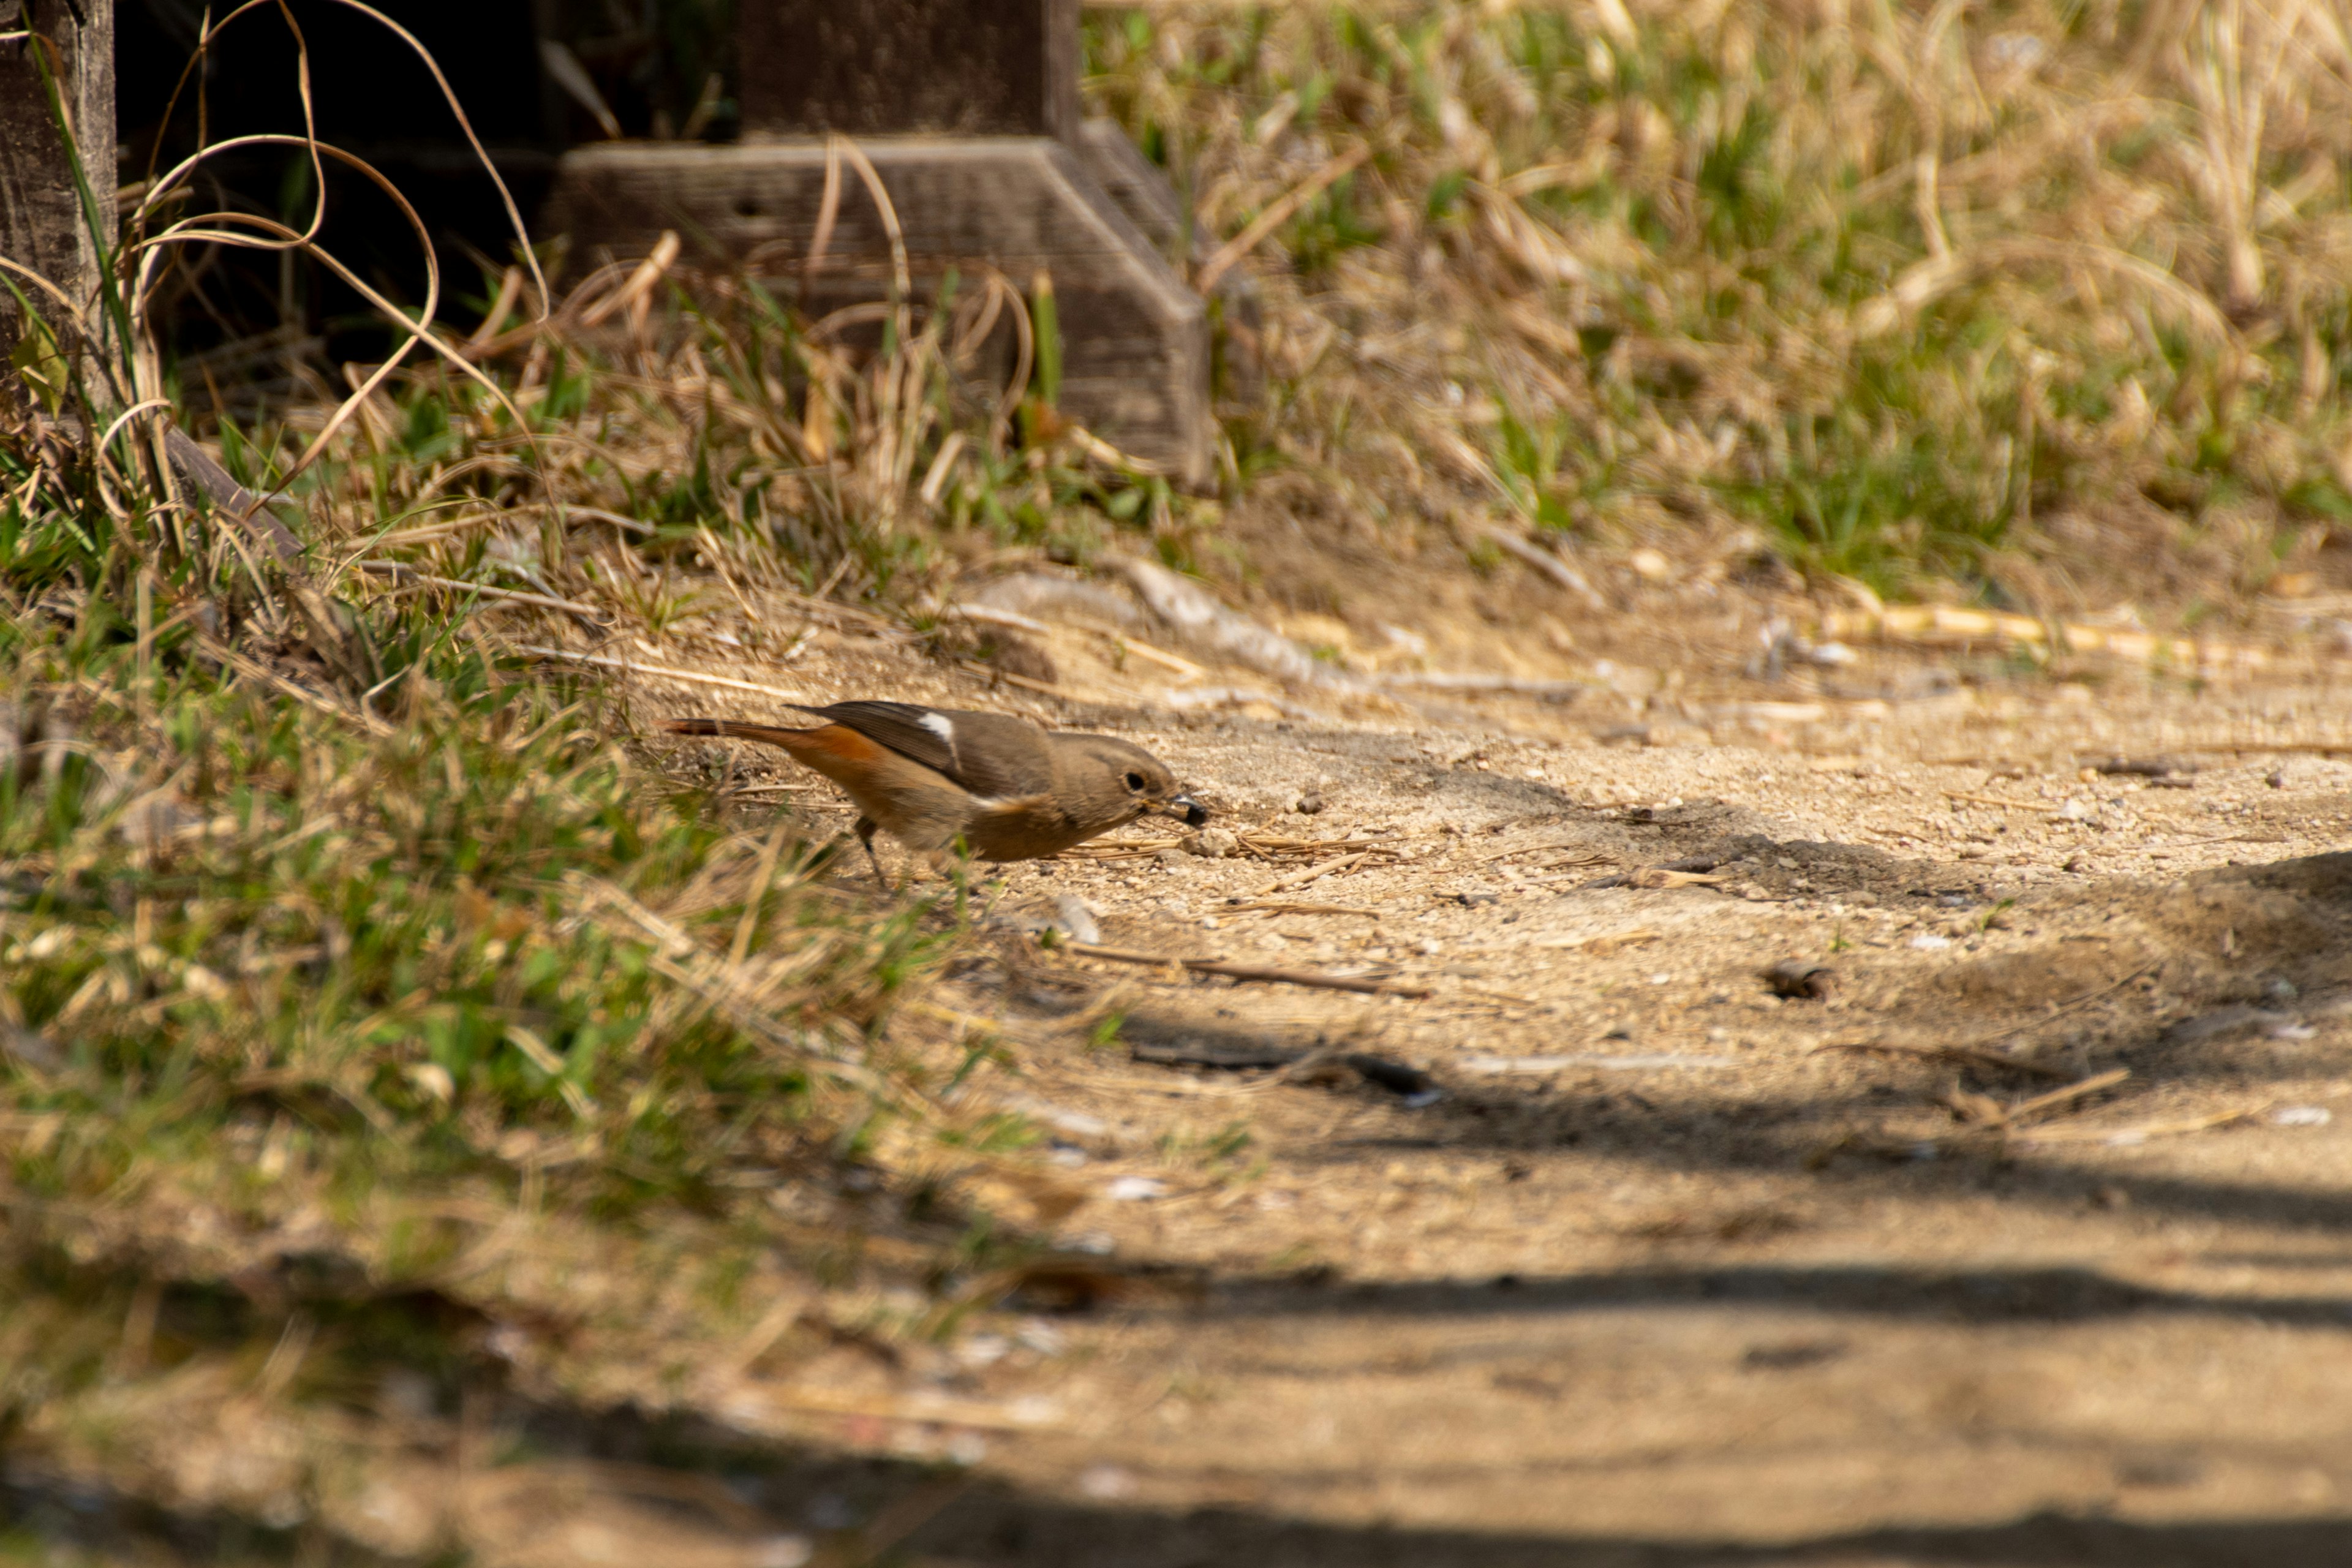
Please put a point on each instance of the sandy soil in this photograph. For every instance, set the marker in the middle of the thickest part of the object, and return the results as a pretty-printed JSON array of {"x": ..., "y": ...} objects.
[{"x": 2026, "y": 1243}]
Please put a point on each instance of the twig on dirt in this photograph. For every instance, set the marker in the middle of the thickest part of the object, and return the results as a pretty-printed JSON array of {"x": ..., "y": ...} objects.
[
  {"x": 1278, "y": 843},
  {"x": 1500, "y": 999},
  {"x": 1311, "y": 979},
  {"x": 1551, "y": 565},
  {"x": 1654, "y": 878},
  {"x": 1586, "y": 855},
  {"x": 1118, "y": 849},
  {"x": 1285, "y": 907},
  {"x": 2228, "y": 838},
  {"x": 2281, "y": 748},
  {"x": 1602, "y": 941},
  {"x": 1184, "y": 669},
  {"x": 2060, "y": 1099},
  {"x": 1960, "y": 1054},
  {"x": 1312, "y": 874},
  {"x": 2146, "y": 1130},
  {"x": 2066, "y": 1007},
  {"x": 2031, "y": 805},
  {"x": 1299, "y": 1066},
  {"x": 1990, "y": 1124}
]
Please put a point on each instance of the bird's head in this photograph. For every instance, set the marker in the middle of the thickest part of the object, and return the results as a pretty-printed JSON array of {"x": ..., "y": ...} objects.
[{"x": 1115, "y": 781}]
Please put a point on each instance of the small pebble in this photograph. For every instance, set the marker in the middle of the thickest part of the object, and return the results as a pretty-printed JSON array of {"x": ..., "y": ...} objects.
[
  {"x": 1309, "y": 804},
  {"x": 1795, "y": 978},
  {"x": 1105, "y": 1482},
  {"x": 1075, "y": 920},
  {"x": 1213, "y": 843},
  {"x": 2276, "y": 781}
]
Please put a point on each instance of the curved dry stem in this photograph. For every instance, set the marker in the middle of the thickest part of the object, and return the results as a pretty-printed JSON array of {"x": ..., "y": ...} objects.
[
  {"x": 828, "y": 211},
  {"x": 901, "y": 278},
  {"x": 440, "y": 79},
  {"x": 288, "y": 238},
  {"x": 1024, "y": 360},
  {"x": 418, "y": 328},
  {"x": 128, "y": 415}
]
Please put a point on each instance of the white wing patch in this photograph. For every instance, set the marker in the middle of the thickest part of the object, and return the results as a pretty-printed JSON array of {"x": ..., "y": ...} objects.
[{"x": 942, "y": 726}]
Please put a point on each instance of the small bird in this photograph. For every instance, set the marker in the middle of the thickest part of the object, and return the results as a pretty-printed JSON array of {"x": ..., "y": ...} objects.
[{"x": 1009, "y": 789}]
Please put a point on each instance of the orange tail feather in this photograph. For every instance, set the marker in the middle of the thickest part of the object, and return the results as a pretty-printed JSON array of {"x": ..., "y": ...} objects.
[{"x": 770, "y": 734}]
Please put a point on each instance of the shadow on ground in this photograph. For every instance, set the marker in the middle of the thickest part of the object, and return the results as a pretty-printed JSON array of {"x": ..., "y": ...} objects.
[
  {"x": 987, "y": 1525},
  {"x": 1006, "y": 1530}
]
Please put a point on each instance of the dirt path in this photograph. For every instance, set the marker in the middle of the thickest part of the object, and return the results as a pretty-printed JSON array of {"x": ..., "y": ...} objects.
[{"x": 1668, "y": 1271}]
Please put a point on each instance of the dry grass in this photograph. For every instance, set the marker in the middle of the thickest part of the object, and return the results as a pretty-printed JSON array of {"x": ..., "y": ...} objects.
[{"x": 2046, "y": 301}]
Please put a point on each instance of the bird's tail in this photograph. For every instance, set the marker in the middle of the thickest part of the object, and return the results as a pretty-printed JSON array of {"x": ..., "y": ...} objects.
[{"x": 771, "y": 735}]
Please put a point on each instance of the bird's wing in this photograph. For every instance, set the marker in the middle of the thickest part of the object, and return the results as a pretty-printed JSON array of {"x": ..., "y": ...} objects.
[{"x": 992, "y": 755}]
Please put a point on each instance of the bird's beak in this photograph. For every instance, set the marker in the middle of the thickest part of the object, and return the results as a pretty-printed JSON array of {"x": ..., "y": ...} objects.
[{"x": 1184, "y": 809}]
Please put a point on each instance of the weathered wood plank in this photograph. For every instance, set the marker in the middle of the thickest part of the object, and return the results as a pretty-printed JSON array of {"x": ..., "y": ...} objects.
[{"x": 886, "y": 68}]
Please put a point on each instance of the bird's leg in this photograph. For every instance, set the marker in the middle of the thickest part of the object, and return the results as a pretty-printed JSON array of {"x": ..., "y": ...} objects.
[{"x": 864, "y": 827}]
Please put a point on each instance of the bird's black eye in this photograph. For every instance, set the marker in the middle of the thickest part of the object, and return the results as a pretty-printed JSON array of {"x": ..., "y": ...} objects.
[{"x": 1135, "y": 783}]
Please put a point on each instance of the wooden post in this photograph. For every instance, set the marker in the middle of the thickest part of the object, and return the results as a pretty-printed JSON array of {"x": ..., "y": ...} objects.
[
  {"x": 910, "y": 68},
  {"x": 41, "y": 220},
  {"x": 969, "y": 110}
]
